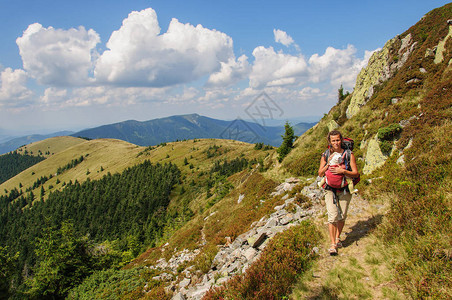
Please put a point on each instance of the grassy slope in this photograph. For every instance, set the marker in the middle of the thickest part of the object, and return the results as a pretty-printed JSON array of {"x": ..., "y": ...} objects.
[{"x": 50, "y": 146}]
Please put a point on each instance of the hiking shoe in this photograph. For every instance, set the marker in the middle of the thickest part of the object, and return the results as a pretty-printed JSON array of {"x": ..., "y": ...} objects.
[{"x": 333, "y": 250}]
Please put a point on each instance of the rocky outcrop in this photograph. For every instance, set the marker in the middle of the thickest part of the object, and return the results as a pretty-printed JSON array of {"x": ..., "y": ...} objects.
[
  {"x": 374, "y": 157},
  {"x": 235, "y": 256},
  {"x": 439, "y": 54},
  {"x": 378, "y": 70}
]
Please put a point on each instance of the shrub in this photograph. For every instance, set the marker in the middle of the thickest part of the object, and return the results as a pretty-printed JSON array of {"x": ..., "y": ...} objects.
[
  {"x": 385, "y": 147},
  {"x": 389, "y": 132}
]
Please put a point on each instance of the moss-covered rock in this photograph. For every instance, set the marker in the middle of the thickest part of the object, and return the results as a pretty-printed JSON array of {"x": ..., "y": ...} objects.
[
  {"x": 374, "y": 157},
  {"x": 439, "y": 55}
]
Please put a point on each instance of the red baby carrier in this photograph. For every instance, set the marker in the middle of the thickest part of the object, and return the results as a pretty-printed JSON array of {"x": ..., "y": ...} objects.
[{"x": 337, "y": 181}]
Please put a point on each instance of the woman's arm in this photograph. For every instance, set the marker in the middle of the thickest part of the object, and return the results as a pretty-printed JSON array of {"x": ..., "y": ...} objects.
[{"x": 323, "y": 166}]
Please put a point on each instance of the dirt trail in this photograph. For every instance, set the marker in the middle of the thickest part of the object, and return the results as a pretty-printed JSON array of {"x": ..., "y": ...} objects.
[{"x": 359, "y": 270}]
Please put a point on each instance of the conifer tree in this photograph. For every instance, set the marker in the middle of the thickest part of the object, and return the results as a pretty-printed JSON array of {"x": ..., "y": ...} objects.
[{"x": 287, "y": 143}]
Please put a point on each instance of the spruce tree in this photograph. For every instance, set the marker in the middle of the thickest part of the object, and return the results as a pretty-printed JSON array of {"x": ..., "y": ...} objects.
[{"x": 287, "y": 143}]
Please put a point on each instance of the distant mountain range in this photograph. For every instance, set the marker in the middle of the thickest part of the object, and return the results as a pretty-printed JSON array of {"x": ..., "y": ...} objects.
[
  {"x": 156, "y": 131},
  {"x": 12, "y": 144},
  {"x": 190, "y": 126}
]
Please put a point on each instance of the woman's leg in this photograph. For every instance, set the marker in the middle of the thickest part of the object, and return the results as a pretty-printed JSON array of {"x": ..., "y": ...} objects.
[
  {"x": 344, "y": 201},
  {"x": 332, "y": 228}
]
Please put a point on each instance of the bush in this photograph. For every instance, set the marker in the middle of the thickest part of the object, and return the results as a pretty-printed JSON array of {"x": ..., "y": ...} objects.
[
  {"x": 390, "y": 132},
  {"x": 385, "y": 147}
]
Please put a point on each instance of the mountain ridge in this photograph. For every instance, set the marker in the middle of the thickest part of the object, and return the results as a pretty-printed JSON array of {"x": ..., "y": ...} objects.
[{"x": 190, "y": 126}]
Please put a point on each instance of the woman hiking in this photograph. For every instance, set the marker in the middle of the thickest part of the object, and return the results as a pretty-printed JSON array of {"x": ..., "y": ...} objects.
[{"x": 336, "y": 199}]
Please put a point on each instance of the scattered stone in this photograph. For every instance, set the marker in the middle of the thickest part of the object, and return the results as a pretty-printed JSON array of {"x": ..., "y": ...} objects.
[
  {"x": 401, "y": 160},
  {"x": 178, "y": 296},
  {"x": 286, "y": 219},
  {"x": 240, "y": 198},
  {"x": 316, "y": 250},
  {"x": 414, "y": 80},
  {"x": 422, "y": 70},
  {"x": 184, "y": 283},
  {"x": 250, "y": 253},
  {"x": 271, "y": 223},
  {"x": 256, "y": 240},
  {"x": 394, "y": 100},
  {"x": 280, "y": 207}
]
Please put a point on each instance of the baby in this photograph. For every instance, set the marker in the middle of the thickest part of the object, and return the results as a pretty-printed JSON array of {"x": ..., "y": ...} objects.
[{"x": 336, "y": 160}]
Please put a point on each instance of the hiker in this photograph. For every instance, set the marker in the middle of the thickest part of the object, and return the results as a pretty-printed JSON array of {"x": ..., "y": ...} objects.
[
  {"x": 335, "y": 161},
  {"x": 337, "y": 199}
]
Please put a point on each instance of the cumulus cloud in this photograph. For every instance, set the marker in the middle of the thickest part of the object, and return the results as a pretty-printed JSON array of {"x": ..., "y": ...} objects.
[
  {"x": 275, "y": 68},
  {"x": 336, "y": 66},
  {"x": 58, "y": 57},
  {"x": 138, "y": 55},
  {"x": 231, "y": 72},
  {"x": 13, "y": 87},
  {"x": 339, "y": 66},
  {"x": 53, "y": 95},
  {"x": 282, "y": 37},
  {"x": 114, "y": 96}
]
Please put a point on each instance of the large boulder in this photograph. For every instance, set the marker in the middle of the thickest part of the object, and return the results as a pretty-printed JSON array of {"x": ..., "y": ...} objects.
[{"x": 374, "y": 157}]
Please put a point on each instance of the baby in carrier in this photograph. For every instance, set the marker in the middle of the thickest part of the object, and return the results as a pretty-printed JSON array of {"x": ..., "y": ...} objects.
[{"x": 337, "y": 180}]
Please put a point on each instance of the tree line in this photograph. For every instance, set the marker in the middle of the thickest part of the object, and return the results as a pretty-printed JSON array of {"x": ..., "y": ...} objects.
[{"x": 13, "y": 163}]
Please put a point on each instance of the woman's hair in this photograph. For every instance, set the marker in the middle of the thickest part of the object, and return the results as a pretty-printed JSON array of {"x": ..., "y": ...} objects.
[{"x": 333, "y": 132}]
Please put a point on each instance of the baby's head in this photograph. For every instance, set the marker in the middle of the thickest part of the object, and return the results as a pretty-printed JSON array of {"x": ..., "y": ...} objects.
[{"x": 336, "y": 159}]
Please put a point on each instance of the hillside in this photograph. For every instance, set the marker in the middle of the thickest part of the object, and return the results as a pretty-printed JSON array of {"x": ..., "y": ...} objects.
[
  {"x": 11, "y": 144},
  {"x": 241, "y": 225}
]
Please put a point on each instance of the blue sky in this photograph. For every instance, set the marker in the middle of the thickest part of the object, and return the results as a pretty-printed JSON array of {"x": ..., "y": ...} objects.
[{"x": 69, "y": 65}]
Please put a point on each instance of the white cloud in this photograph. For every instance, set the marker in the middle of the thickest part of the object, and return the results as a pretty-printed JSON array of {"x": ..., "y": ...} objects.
[
  {"x": 114, "y": 96},
  {"x": 339, "y": 66},
  {"x": 231, "y": 72},
  {"x": 275, "y": 68},
  {"x": 53, "y": 95},
  {"x": 13, "y": 88},
  {"x": 282, "y": 37},
  {"x": 58, "y": 57},
  {"x": 335, "y": 66},
  {"x": 139, "y": 55},
  {"x": 309, "y": 93}
]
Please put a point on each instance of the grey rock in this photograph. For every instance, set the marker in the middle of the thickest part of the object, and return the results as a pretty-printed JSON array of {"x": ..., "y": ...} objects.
[
  {"x": 222, "y": 280},
  {"x": 178, "y": 296},
  {"x": 272, "y": 222},
  {"x": 250, "y": 253},
  {"x": 414, "y": 80},
  {"x": 184, "y": 283},
  {"x": 257, "y": 239},
  {"x": 198, "y": 293},
  {"x": 279, "y": 207},
  {"x": 286, "y": 219}
]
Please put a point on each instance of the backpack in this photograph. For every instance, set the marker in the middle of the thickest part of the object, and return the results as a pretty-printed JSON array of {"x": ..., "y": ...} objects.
[{"x": 337, "y": 181}]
